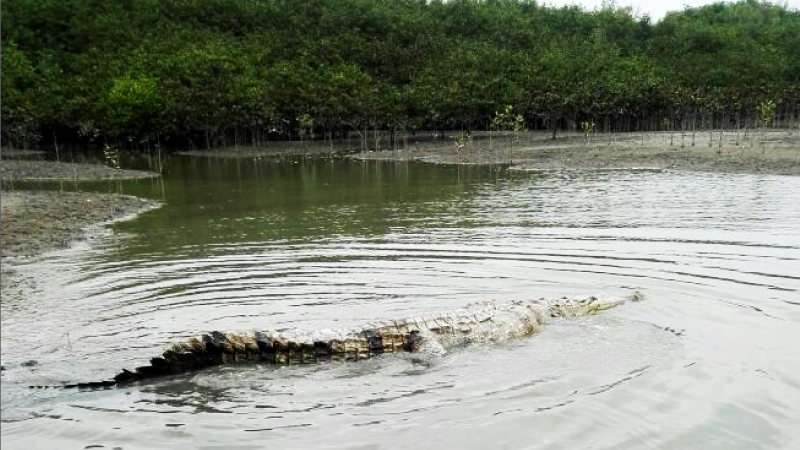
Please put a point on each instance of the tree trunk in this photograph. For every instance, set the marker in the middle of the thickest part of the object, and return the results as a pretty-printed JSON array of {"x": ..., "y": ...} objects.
[{"x": 55, "y": 144}]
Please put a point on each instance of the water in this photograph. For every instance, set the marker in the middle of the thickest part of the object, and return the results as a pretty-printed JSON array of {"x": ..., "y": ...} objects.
[{"x": 253, "y": 245}]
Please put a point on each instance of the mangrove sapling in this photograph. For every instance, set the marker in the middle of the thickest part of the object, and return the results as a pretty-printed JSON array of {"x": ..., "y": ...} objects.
[
  {"x": 509, "y": 121},
  {"x": 112, "y": 156},
  {"x": 586, "y": 127},
  {"x": 460, "y": 142},
  {"x": 766, "y": 109},
  {"x": 517, "y": 126}
]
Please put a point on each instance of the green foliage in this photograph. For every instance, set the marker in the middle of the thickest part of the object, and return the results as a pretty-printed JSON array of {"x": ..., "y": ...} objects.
[
  {"x": 461, "y": 141},
  {"x": 188, "y": 72},
  {"x": 19, "y": 77},
  {"x": 305, "y": 125},
  {"x": 134, "y": 108},
  {"x": 507, "y": 120},
  {"x": 766, "y": 109},
  {"x": 586, "y": 127}
]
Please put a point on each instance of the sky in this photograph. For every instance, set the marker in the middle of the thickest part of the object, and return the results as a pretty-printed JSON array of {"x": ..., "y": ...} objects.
[{"x": 656, "y": 9}]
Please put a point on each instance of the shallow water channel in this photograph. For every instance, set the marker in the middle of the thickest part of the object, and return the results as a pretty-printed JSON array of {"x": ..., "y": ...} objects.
[{"x": 266, "y": 244}]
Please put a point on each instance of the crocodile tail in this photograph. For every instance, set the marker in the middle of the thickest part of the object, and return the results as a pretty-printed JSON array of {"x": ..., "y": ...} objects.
[
  {"x": 196, "y": 353},
  {"x": 107, "y": 384}
]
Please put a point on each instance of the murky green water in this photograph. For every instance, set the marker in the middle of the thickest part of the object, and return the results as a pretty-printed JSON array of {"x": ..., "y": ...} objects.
[{"x": 260, "y": 244}]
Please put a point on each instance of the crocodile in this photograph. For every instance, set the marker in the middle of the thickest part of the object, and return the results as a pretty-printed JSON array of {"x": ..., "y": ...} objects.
[{"x": 485, "y": 322}]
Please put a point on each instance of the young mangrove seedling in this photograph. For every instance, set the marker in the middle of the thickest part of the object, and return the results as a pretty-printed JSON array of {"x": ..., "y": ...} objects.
[{"x": 766, "y": 109}]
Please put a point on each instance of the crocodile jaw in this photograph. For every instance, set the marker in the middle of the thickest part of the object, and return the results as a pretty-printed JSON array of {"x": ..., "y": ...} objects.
[{"x": 601, "y": 304}]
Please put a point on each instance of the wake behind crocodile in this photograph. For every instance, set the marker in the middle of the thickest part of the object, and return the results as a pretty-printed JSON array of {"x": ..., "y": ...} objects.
[{"x": 480, "y": 323}]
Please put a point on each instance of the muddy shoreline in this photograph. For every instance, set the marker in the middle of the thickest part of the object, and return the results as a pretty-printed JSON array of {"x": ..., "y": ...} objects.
[
  {"x": 36, "y": 170},
  {"x": 33, "y": 223},
  {"x": 774, "y": 152},
  {"x": 276, "y": 149},
  {"x": 749, "y": 161}
]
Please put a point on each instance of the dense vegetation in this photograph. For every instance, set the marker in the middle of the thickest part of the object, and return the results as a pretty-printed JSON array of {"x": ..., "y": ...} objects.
[{"x": 211, "y": 72}]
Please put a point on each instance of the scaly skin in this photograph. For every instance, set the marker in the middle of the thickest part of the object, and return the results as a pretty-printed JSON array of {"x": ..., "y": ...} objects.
[{"x": 477, "y": 323}]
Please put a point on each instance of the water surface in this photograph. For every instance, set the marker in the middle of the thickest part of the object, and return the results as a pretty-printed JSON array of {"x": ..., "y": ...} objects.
[{"x": 268, "y": 244}]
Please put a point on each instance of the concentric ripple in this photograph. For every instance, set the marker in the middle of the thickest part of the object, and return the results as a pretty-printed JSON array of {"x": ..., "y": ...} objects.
[{"x": 708, "y": 360}]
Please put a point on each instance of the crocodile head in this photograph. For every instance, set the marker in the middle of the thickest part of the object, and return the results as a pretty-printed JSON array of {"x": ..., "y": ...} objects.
[
  {"x": 595, "y": 305},
  {"x": 590, "y": 305}
]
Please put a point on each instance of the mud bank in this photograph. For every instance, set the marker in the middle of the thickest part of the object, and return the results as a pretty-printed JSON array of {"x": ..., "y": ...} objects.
[
  {"x": 730, "y": 160},
  {"x": 276, "y": 150},
  {"x": 35, "y": 222},
  {"x": 34, "y": 170},
  {"x": 774, "y": 152}
]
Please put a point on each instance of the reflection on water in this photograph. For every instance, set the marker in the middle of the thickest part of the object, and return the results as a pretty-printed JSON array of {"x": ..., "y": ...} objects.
[{"x": 261, "y": 244}]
